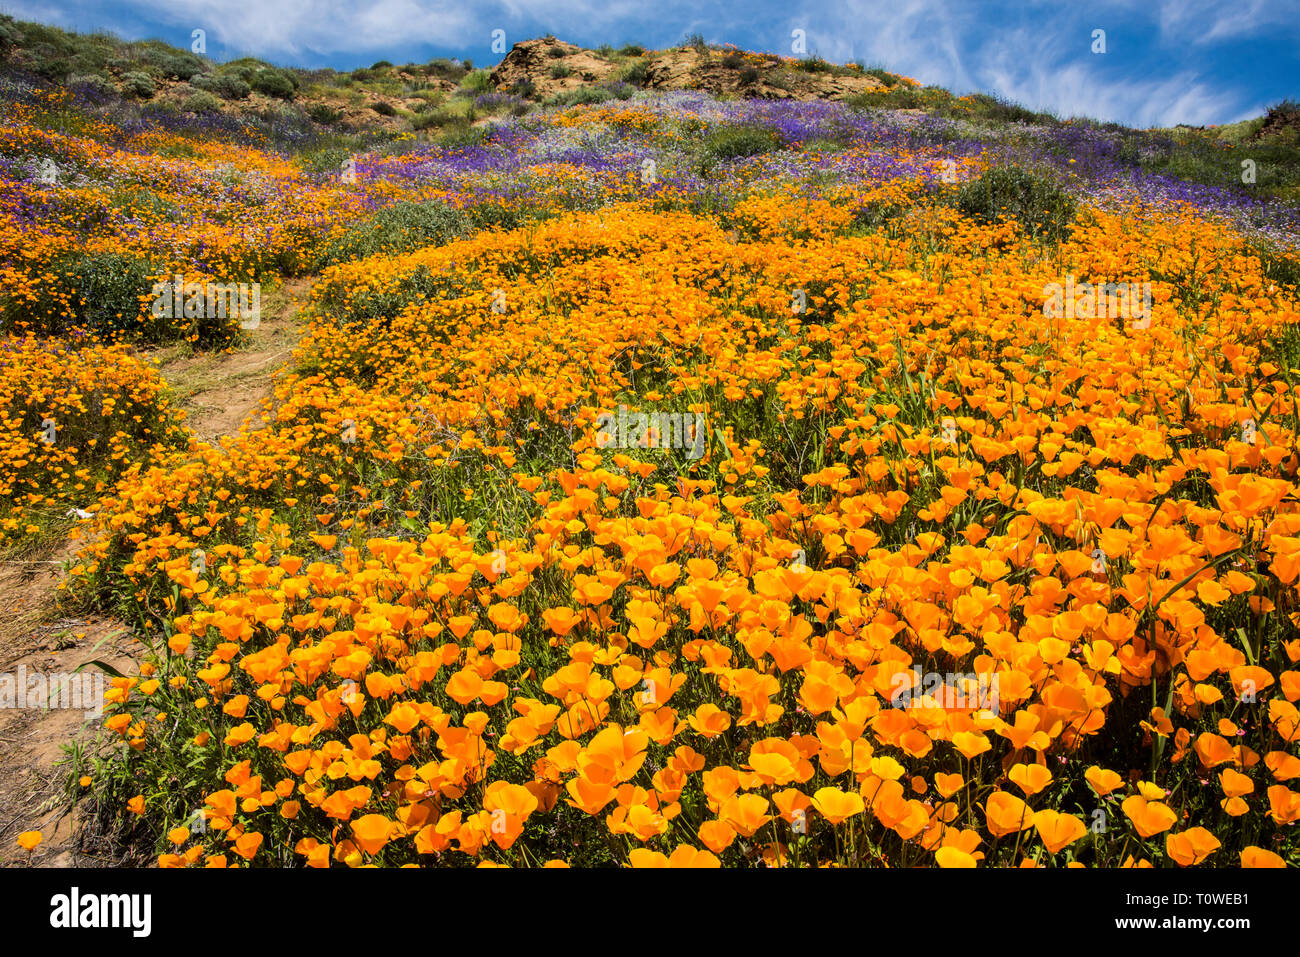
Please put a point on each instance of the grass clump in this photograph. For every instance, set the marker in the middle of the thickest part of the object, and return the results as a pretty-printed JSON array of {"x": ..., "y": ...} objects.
[{"x": 1043, "y": 209}]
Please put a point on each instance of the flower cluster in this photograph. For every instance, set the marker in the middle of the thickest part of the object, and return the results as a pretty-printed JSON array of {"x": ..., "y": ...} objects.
[{"x": 942, "y": 577}]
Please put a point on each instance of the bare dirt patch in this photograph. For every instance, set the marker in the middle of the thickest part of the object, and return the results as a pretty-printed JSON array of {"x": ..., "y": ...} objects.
[
  {"x": 41, "y": 642},
  {"x": 222, "y": 391}
]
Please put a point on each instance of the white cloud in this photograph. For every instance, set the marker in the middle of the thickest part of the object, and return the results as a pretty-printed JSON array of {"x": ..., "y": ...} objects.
[
  {"x": 287, "y": 28},
  {"x": 919, "y": 37},
  {"x": 1206, "y": 21},
  {"x": 1036, "y": 51},
  {"x": 1041, "y": 57}
]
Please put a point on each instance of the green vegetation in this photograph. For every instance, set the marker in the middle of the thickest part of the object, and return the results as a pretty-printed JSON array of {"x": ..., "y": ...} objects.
[{"x": 1043, "y": 209}]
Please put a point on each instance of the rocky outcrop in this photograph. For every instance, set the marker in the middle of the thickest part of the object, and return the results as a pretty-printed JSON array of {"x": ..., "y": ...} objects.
[{"x": 547, "y": 66}]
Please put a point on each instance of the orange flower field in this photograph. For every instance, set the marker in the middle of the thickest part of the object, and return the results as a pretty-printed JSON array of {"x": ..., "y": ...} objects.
[{"x": 904, "y": 570}]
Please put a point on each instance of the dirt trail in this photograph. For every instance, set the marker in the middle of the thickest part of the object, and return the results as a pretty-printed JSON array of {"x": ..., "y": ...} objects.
[{"x": 219, "y": 392}]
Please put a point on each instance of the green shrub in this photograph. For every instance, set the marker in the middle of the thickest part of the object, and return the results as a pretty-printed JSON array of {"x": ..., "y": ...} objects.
[
  {"x": 436, "y": 117},
  {"x": 635, "y": 73},
  {"x": 383, "y": 109},
  {"x": 98, "y": 291},
  {"x": 1003, "y": 111},
  {"x": 631, "y": 49},
  {"x": 325, "y": 115},
  {"x": 737, "y": 141},
  {"x": 401, "y": 228},
  {"x": 813, "y": 64},
  {"x": 49, "y": 63},
  {"x": 733, "y": 61},
  {"x": 884, "y": 76},
  {"x": 475, "y": 82},
  {"x": 10, "y": 35},
  {"x": 139, "y": 85},
  {"x": 584, "y": 95},
  {"x": 901, "y": 97},
  {"x": 555, "y": 53},
  {"x": 225, "y": 85},
  {"x": 177, "y": 66},
  {"x": 201, "y": 102},
  {"x": 1043, "y": 209},
  {"x": 92, "y": 81},
  {"x": 273, "y": 83},
  {"x": 560, "y": 70},
  {"x": 749, "y": 74},
  {"x": 461, "y": 134},
  {"x": 381, "y": 65},
  {"x": 441, "y": 66}
]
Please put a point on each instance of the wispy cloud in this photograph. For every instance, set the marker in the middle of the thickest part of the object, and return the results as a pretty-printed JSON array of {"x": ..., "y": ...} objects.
[{"x": 1168, "y": 61}]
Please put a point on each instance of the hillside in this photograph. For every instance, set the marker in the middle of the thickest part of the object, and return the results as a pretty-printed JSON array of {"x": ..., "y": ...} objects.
[
  {"x": 681, "y": 458},
  {"x": 449, "y": 101}
]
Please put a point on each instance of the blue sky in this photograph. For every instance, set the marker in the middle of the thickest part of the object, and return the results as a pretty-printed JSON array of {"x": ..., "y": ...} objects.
[{"x": 1166, "y": 61}]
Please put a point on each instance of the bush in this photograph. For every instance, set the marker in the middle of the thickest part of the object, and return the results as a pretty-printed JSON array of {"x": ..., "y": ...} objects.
[
  {"x": 397, "y": 229},
  {"x": 631, "y": 49},
  {"x": 48, "y": 64},
  {"x": 884, "y": 76},
  {"x": 325, "y": 115},
  {"x": 462, "y": 135},
  {"x": 635, "y": 73},
  {"x": 201, "y": 102},
  {"x": 383, "y": 109},
  {"x": 475, "y": 82},
  {"x": 98, "y": 291},
  {"x": 1043, "y": 209},
  {"x": 737, "y": 142},
  {"x": 585, "y": 95},
  {"x": 813, "y": 64},
  {"x": 749, "y": 75},
  {"x": 381, "y": 65},
  {"x": 10, "y": 35},
  {"x": 273, "y": 83},
  {"x": 560, "y": 70},
  {"x": 93, "y": 83},
  {"x": 225, "y": 85},
  {"x": 555, "y": 53},
  {"x": 435, "y": 117},
  {"x": 695, "y": 41},
  {"x": 733, "y": 61},
  {"x": 179, "y": 66},
  {"x": 139, "y": 85},
  {"x": 1003, "y": 111}
]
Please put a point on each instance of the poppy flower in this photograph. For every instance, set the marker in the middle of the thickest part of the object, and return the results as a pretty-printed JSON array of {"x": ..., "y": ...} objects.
[
  {"x": 1192, "y": 846},
  {"x": 1058, "y": 830},
  {"x": 836, "y": 805},
  {"x": 1148, "y": 817},
  {"x": 1006, "y": 814}
]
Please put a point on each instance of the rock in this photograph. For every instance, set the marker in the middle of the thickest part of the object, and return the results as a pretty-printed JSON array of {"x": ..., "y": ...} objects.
[{"x": 769, "y": 77}]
